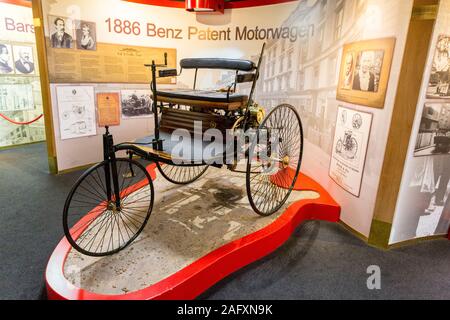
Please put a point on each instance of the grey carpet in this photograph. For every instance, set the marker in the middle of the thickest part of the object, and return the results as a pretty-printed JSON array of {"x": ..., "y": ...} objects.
[{"x": 320, "y": 261}]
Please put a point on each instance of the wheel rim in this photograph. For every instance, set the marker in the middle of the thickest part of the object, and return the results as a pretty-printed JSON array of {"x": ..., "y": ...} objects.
[
  {"x": 270, "y": 181},
  {"x": 95, "y": 226},
  {"x": 181, "y": 174}
]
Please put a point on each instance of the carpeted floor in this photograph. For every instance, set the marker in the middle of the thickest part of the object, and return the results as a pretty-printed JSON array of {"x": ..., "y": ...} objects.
[{"x": 321, "y": 260}]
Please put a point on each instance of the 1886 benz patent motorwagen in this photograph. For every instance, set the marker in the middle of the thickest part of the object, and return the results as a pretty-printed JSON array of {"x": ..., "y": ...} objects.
[{"x": 110, "y": 205}]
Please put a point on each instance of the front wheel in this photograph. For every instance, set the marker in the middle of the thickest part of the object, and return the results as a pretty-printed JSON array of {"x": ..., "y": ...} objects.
[{"x": 93, "y": 222}]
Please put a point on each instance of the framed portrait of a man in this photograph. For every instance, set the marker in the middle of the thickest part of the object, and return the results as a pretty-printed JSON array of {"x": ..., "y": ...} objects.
[
  {"x": 61, "y": 32},
  {"x": 6, "y": 59},
  {"x": 365, "y": 71},
  {"x": 24, "y": 60}
]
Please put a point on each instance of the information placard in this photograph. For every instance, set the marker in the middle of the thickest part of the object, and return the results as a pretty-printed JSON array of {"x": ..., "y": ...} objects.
[
  {"x": 108, "y": 109},
  {"x": 110, "y": 63},
  {"x": 350, "y": 148},
  {"x": 76, "y": 107}
]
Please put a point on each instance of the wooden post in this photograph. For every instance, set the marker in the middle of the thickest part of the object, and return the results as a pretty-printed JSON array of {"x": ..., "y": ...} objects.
[
  {"x": 418, "y": 41},
  {"x": 45, "y": 84}
]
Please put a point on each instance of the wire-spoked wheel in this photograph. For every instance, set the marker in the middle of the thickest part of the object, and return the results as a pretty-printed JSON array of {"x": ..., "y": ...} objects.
[
  {"x": 181, "y": 175},
  {"x": 274, "y": 160},
  {"x": 95, "y": 223}
]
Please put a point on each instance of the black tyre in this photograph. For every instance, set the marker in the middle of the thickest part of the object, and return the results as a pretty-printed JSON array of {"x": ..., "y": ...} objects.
[
  {"x": 181, "y": 175},
  {"x": 93, "y": 224},
  {"x": 271, "y": 179}
]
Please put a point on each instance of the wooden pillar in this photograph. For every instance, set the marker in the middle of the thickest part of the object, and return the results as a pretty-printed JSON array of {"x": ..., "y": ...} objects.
[
  {"x": 418, "y": 41},
  {"x": 45, "y": 83}
]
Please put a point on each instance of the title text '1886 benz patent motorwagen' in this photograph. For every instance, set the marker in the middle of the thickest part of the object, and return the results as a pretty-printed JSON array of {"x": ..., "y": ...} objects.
[{"x": 110, "y": 205}]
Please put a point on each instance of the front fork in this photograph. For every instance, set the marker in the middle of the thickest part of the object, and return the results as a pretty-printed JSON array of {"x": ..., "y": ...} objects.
[{"x": 111, "y": 169}]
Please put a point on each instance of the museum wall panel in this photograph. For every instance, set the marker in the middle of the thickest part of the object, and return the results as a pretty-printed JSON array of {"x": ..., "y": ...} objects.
[
  {"x": 126, "y": 33},
  {"x": 316, "y": 64},
  {"x": 304, "y": 66},
  {"x": 423, "y": 206},
  {"x": 20, "y": 90}
]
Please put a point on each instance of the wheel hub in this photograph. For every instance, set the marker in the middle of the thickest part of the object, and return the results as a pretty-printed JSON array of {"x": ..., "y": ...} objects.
[
  {"x": 285, "y": 162},
  {"x": 112, "y": 207}
]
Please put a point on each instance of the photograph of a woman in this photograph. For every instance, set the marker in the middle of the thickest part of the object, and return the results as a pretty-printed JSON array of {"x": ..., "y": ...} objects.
[{"x": 86, "y": 36}]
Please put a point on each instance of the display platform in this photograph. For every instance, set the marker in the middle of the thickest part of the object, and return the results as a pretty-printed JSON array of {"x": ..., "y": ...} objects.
[{"x": 197, "y": 235}]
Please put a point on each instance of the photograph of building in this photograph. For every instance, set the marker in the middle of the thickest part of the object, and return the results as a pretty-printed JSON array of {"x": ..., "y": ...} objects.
[{"x": 305, "y": 73}]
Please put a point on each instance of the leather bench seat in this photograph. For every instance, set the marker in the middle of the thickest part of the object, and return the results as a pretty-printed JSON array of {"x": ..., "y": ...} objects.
[{"x": 203, "y": 98}]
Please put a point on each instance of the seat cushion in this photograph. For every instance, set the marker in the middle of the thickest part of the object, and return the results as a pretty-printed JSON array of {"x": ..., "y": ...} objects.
[
  {"x": 213, "y": 63},
  {"x": 202, "y": 95}
]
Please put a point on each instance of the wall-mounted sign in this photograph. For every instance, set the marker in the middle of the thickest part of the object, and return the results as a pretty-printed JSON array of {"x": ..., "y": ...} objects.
[
  {"x": 365, "y": 70},
  {"x": 350, "y": 148},
  {"x": 76, "y": 108},
  {"x": 105, "y": 63},
  {"x": 108, "y": 109}
]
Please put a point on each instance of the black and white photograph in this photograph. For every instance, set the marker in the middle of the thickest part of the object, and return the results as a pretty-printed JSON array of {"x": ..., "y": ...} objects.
[
  {"x": 439, "y": 84},
  {"x": 61, "y": 32},
  {"x": 24, "y": 60},
  {"x": 434, "y": 132},
  {"x": 6, "y": 59},
  {"x": 86, "y": 34},
  {"x": 136, "y": 103},
  {"x": 368, "y": 71},
  {"x": 365, "y": 72}
]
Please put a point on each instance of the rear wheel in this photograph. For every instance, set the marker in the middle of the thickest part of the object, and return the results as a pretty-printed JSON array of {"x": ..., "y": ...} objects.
[
  {"x": 181, "y": 174},
  {"x": 93, "y": 223},
  {"x": 274, "y": 160}
]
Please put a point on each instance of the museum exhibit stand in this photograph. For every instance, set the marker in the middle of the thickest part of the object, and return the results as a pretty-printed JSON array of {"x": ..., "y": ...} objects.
[{"x": 206, "y": 132}]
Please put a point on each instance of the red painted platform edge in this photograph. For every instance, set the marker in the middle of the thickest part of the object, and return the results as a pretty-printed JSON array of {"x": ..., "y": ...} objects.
[{"x": 201, "y": 275}]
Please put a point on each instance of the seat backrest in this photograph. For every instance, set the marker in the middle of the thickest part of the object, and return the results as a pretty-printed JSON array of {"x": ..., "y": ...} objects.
[
  {"x": 173, "y": 119},
  {"x": 212, "y": 63}
]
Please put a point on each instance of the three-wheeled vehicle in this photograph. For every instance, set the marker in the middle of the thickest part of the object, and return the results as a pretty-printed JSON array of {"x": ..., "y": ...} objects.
[{"x": 110, "y": 205}]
